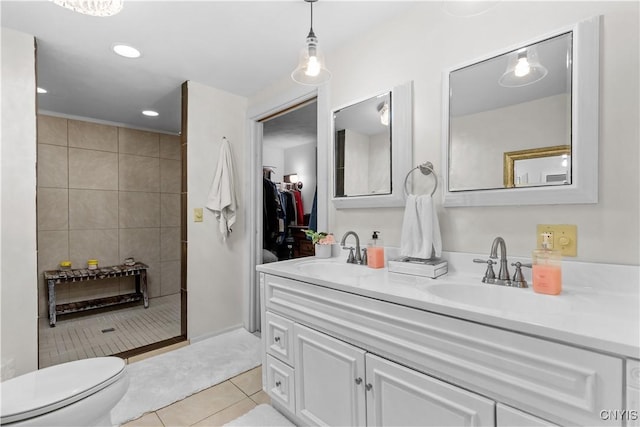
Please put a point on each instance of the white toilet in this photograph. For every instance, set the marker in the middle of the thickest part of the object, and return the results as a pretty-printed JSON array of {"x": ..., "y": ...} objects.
[{"x": 79, "y": 393}]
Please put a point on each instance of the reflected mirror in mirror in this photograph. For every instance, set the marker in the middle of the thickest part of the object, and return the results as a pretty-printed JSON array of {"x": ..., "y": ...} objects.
[
  {"x": 538, "y": 166},
  {"x": 363, "y": 148},
  {"x": 515, "y": 107}
]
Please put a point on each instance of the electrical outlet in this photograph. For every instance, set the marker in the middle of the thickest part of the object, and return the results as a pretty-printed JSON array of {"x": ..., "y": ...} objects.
[
  {"x": 197, "y": 215},
  {"x": 562, "y": 237}
]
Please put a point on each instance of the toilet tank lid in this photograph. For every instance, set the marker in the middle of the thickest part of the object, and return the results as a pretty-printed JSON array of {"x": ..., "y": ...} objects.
[{"x": 56, "y": 386}]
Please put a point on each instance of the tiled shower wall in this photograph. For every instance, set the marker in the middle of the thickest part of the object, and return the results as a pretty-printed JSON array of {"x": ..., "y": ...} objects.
[{"x": 108, "y": 193}]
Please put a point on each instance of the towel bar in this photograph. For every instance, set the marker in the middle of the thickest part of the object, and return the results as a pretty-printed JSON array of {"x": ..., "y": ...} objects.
[{"x": 426, "y": 169}]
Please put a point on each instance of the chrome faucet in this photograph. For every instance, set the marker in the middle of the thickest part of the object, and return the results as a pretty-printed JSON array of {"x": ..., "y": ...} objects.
[
  {"x": 503, "y": 273},
  {"x": 357, "y": 259}
]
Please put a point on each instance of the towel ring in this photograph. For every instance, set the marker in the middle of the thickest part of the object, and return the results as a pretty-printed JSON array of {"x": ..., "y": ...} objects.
[{"x": 426, "y": 169}]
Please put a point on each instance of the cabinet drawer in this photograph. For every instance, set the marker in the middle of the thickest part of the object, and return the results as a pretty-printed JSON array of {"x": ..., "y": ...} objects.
[
  {"x": 279, "y": 337},
  {"x": 558, "y": 382},
  {"x": 280, "y": 383}
]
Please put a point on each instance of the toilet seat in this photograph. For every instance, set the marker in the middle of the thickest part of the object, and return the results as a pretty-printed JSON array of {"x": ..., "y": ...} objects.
[{"x": 46, "y": 390}]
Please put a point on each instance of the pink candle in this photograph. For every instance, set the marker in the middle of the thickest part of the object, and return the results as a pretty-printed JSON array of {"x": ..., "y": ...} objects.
[{"x": 547, "y": 279}]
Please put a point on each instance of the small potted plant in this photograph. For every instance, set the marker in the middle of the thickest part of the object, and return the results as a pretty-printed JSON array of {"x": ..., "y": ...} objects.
[{"x": 323, "y": 242}]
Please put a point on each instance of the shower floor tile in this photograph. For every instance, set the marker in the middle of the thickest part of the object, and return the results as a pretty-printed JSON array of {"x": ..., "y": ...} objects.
[{"x": 107, "y": 333}]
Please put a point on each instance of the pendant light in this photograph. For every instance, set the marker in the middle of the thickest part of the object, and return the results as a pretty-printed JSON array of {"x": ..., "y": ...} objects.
[
  {"x": 92, "y": 7},
  {"x": 311, "y": 70},
  {"x": 523, "y": 68}
]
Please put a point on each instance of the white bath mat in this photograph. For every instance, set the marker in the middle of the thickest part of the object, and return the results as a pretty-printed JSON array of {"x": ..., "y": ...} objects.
[
  {"x": 261, "y": 416},
  {"x": 161, "y": 380}
]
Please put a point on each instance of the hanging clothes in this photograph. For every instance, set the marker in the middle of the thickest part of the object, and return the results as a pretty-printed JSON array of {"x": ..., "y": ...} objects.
[
  {"x": 299, "y": 208},
  {"x": 313, "y": 218},
  {"x": 269, "y": 214}
]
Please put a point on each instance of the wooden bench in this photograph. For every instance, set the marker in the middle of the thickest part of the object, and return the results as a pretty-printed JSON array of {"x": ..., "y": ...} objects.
[{"x": 56, "y": 277}]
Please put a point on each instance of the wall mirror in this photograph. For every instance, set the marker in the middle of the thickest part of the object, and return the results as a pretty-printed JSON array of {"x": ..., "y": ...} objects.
[
  {"x": 371, "y": 149},
  {"x": 521, "y": 126}
]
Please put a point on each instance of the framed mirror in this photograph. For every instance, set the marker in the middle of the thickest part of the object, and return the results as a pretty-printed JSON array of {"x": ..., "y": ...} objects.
[
  {"x": 372, "y": 149},
  {"x": 520, "y": 126}
]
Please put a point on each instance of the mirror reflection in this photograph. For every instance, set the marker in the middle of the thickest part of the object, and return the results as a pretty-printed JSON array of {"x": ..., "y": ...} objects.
[
  {"x": 516, "y": 108},
  {"x": 363, "y": 148},
  {"x": 538, "y": 166}
]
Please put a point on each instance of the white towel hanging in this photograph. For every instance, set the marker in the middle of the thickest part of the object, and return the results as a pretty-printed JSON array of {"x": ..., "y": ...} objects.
[
  {"x": 222, "y": 196},
  {"x": 420, "y": 236}
]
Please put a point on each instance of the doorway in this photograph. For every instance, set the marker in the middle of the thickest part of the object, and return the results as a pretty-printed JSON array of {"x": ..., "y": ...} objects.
[
  {"x": 289, "y": 157},
  {"x": 258, "y": 118}
]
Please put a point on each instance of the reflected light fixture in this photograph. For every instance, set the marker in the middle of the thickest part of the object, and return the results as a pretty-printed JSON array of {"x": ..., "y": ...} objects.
[
  {"x": 311, "y": 70},
  {"x": 41, "y": 90},
  {"x": 523, "y": 68},
  {"x": 383, "y": 110},
  {"x": 92, "y": 7},
  {"x": 150, "y": 113}
]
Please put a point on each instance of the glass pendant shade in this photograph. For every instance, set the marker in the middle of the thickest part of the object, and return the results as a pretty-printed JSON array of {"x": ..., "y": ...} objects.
[
  {"x": 523, "y": 68},
  {"x": 311, "y": 69},
  {"x": 92, "y": 7}
]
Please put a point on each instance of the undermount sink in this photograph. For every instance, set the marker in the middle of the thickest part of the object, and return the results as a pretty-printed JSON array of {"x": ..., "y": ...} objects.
[
  {"x": 333, "y": 270},
  {"x": 503, "y": 298}
]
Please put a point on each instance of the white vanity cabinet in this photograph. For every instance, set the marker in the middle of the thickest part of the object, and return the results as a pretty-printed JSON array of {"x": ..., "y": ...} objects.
[{"x": 364, "y": 361}]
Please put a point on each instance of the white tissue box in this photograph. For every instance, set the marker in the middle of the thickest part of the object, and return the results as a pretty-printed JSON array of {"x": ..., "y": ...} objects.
[{"x": 432, "y": 268}]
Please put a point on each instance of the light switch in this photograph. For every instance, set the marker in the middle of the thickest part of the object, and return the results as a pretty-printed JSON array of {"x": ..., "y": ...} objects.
[
  {"x": 197, "y": 215},
  {"x": 562, "y": 237}
]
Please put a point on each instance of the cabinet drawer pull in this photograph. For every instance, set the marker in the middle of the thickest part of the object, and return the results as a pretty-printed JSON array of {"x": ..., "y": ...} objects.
[
  {"x": 358, "y": 381},
  {"x": 278, "y": 383},
  {"x": 369, "y": 386},
  {"x": 277, "y": 339}
]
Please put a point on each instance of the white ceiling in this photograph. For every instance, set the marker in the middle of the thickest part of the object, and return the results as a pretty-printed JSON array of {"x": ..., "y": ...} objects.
[{"x": 237, "y": 46}]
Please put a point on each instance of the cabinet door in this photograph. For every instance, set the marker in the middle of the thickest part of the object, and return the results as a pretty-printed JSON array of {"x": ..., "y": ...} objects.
[
  {"x": 398, "y": 396},
  {"x": 511, "y": 417},
  {"x": 329, "y": 380}
]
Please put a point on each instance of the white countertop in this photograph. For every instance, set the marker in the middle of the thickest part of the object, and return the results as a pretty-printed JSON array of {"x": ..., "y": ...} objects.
[{"x": 599, "y": 307}]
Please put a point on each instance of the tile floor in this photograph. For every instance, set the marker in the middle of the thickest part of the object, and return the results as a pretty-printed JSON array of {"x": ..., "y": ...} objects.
[
  {"x": 83, "y": 337},
  {"x": 214, "y": 406}
]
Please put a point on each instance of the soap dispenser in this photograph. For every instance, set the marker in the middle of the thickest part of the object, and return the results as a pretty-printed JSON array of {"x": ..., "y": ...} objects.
[
  {"x": 547, "y": 269},
  {"x": 375, "y": 251}
]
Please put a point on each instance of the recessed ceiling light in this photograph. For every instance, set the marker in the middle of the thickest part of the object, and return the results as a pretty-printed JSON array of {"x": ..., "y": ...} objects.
[
  {"x": 41, "y": 90},
  {"x": 126, "y": 50},
  {"x": 150, "y": 113}
]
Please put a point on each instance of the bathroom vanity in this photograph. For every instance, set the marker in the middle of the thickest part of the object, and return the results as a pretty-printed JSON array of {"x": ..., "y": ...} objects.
[{"x": 348, "y": 345}]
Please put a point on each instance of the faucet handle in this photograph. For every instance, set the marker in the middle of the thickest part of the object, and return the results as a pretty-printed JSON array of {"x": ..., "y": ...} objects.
[
  {"x": 351, "y": 259},
  {"x": 364, "y": 256},
  {"x": 489, "y": 275},
  {"x": 518, "y": 279}
]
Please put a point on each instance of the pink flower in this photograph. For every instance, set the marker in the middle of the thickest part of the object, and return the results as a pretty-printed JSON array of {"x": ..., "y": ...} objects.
[{"x": 327, "y": 240}]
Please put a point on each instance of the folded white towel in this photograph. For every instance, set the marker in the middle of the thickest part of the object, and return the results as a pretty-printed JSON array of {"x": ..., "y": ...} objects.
[
  {"x": 222, "y": 196},
  {"x": 420, "y": 236}
]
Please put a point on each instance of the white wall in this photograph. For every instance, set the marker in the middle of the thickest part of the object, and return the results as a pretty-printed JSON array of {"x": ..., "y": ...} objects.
[
  {"x": 419, "y": 45},
  {"x": 301, "y": 160},
  {"x": 18, "y": 266},
  {"x": 215, "y": 269},
  {"x": 273, "y": 156}
]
